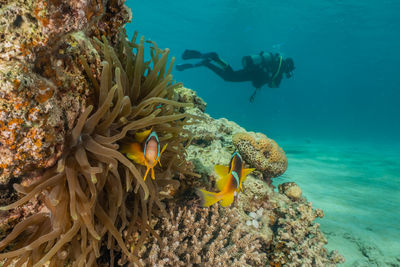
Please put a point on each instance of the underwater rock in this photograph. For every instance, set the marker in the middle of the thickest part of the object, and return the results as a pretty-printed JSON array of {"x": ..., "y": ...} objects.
[
  {"x": 262, "y": 153},
  {"x": 42, "y": 87},
  {"x": 186, "y": 95},
  {"x": 291, "y": 190}
]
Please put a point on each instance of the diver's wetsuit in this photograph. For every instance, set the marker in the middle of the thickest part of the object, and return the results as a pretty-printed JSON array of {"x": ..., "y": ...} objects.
[
  {"x": 259, "y": 73},
  {"x": 257, "y": 76},
  {"x": 265, "y": 68}
]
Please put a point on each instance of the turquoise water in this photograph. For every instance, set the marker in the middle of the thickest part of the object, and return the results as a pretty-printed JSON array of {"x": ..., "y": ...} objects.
[
  {"x": 357, "y": 185},
  {"x": 338, "y": 118}
]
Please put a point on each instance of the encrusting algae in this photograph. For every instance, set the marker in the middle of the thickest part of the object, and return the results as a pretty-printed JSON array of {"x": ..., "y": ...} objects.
[{"x": 94, "y": 193}]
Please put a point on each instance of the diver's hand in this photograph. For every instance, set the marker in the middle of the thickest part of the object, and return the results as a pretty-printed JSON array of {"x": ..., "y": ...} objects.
[{"x": 253, "y": 95}]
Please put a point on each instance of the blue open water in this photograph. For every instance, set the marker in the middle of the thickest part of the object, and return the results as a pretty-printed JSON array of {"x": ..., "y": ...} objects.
[{"x": 338, "y": 118}]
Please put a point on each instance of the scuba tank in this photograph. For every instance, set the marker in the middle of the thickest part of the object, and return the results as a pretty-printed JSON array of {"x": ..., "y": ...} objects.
[
  {"x": 262, "y": 60},
  {"x": 269, "y": 63}
]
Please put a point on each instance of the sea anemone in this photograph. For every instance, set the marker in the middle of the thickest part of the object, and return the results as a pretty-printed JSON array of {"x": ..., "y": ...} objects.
[{"x": 94, "y": 196}]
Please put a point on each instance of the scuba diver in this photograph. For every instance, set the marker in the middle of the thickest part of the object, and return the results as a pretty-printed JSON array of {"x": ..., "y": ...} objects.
[{"x": 261, "y": 69}]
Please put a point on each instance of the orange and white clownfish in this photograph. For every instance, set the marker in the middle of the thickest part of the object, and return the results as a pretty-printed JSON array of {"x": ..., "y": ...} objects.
[
  {"x": 229, "y": 182},
  {"x": 146, "y": 151}
]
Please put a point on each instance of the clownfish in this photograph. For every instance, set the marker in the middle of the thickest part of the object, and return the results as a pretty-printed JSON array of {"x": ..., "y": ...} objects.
[
  {"x": 229, "y": 182},
  {"x": 146, "y": 151}
]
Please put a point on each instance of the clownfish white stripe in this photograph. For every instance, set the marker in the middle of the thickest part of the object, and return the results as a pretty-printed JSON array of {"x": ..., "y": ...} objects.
[
  {"x": 153, "y": 134},
  {"x": 237, "y": 179}
]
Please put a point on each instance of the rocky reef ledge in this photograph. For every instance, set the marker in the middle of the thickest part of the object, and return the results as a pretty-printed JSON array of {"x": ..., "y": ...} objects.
[{"x": 73, "y": 91}]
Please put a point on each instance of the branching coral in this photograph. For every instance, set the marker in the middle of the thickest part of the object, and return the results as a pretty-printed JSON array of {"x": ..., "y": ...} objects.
[
  {"x": 87, "y": 194},
  {"x": 262, "y": 153},
  {"x": 204, "y": 237},
  {"x": 297, "y": 240}
]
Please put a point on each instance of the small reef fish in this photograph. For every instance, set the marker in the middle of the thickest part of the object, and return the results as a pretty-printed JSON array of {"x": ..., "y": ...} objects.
[
  {"x": 229, "y": 182},
  {"x": 146, "y": 151}
]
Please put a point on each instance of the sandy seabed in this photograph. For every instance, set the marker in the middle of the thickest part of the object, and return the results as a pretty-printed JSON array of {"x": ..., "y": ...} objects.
[{"x": 358, "y": 187}]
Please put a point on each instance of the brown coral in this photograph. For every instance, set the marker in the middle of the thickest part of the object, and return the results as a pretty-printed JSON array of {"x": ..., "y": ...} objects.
[
  {"x": 42, "y": 89},
  {"x": 204, "y": 237},
  {"x": 262, "y": 153},
  {"x": 297, "y": 239},
  {"x": 291, "y": 190},
  {"x": 286, "y": 228}
]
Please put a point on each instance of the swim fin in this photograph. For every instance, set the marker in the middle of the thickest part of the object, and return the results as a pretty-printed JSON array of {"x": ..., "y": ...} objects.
[
  {"x": 189, "y": 54},
  {"x": 181, "y": 67}
]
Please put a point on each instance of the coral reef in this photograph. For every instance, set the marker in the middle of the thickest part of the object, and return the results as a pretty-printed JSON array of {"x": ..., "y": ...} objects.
[
  {"x": 186, "y": 95},
  {"x": 284, "y": 222},
  {"x": 285, "y": 227},
  {"x": 42, "y": 87},
  {"x": 212, "y": 139},
  {"x": 68, "y": 195},
  {"x": 206, "y": 237},
  {"x": 291, "y": 190},
  {"x": 262, "y": 153}
]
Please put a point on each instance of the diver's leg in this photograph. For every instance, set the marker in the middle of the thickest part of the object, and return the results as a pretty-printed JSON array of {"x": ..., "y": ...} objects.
[
  {"x": 190, "y": 54},
  {"x": 181, "y": 67},
  {"x": 226, "y": 73}
]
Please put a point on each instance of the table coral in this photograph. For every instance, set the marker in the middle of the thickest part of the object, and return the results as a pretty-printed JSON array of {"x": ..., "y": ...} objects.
[{"x": 262, "y": 153}]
